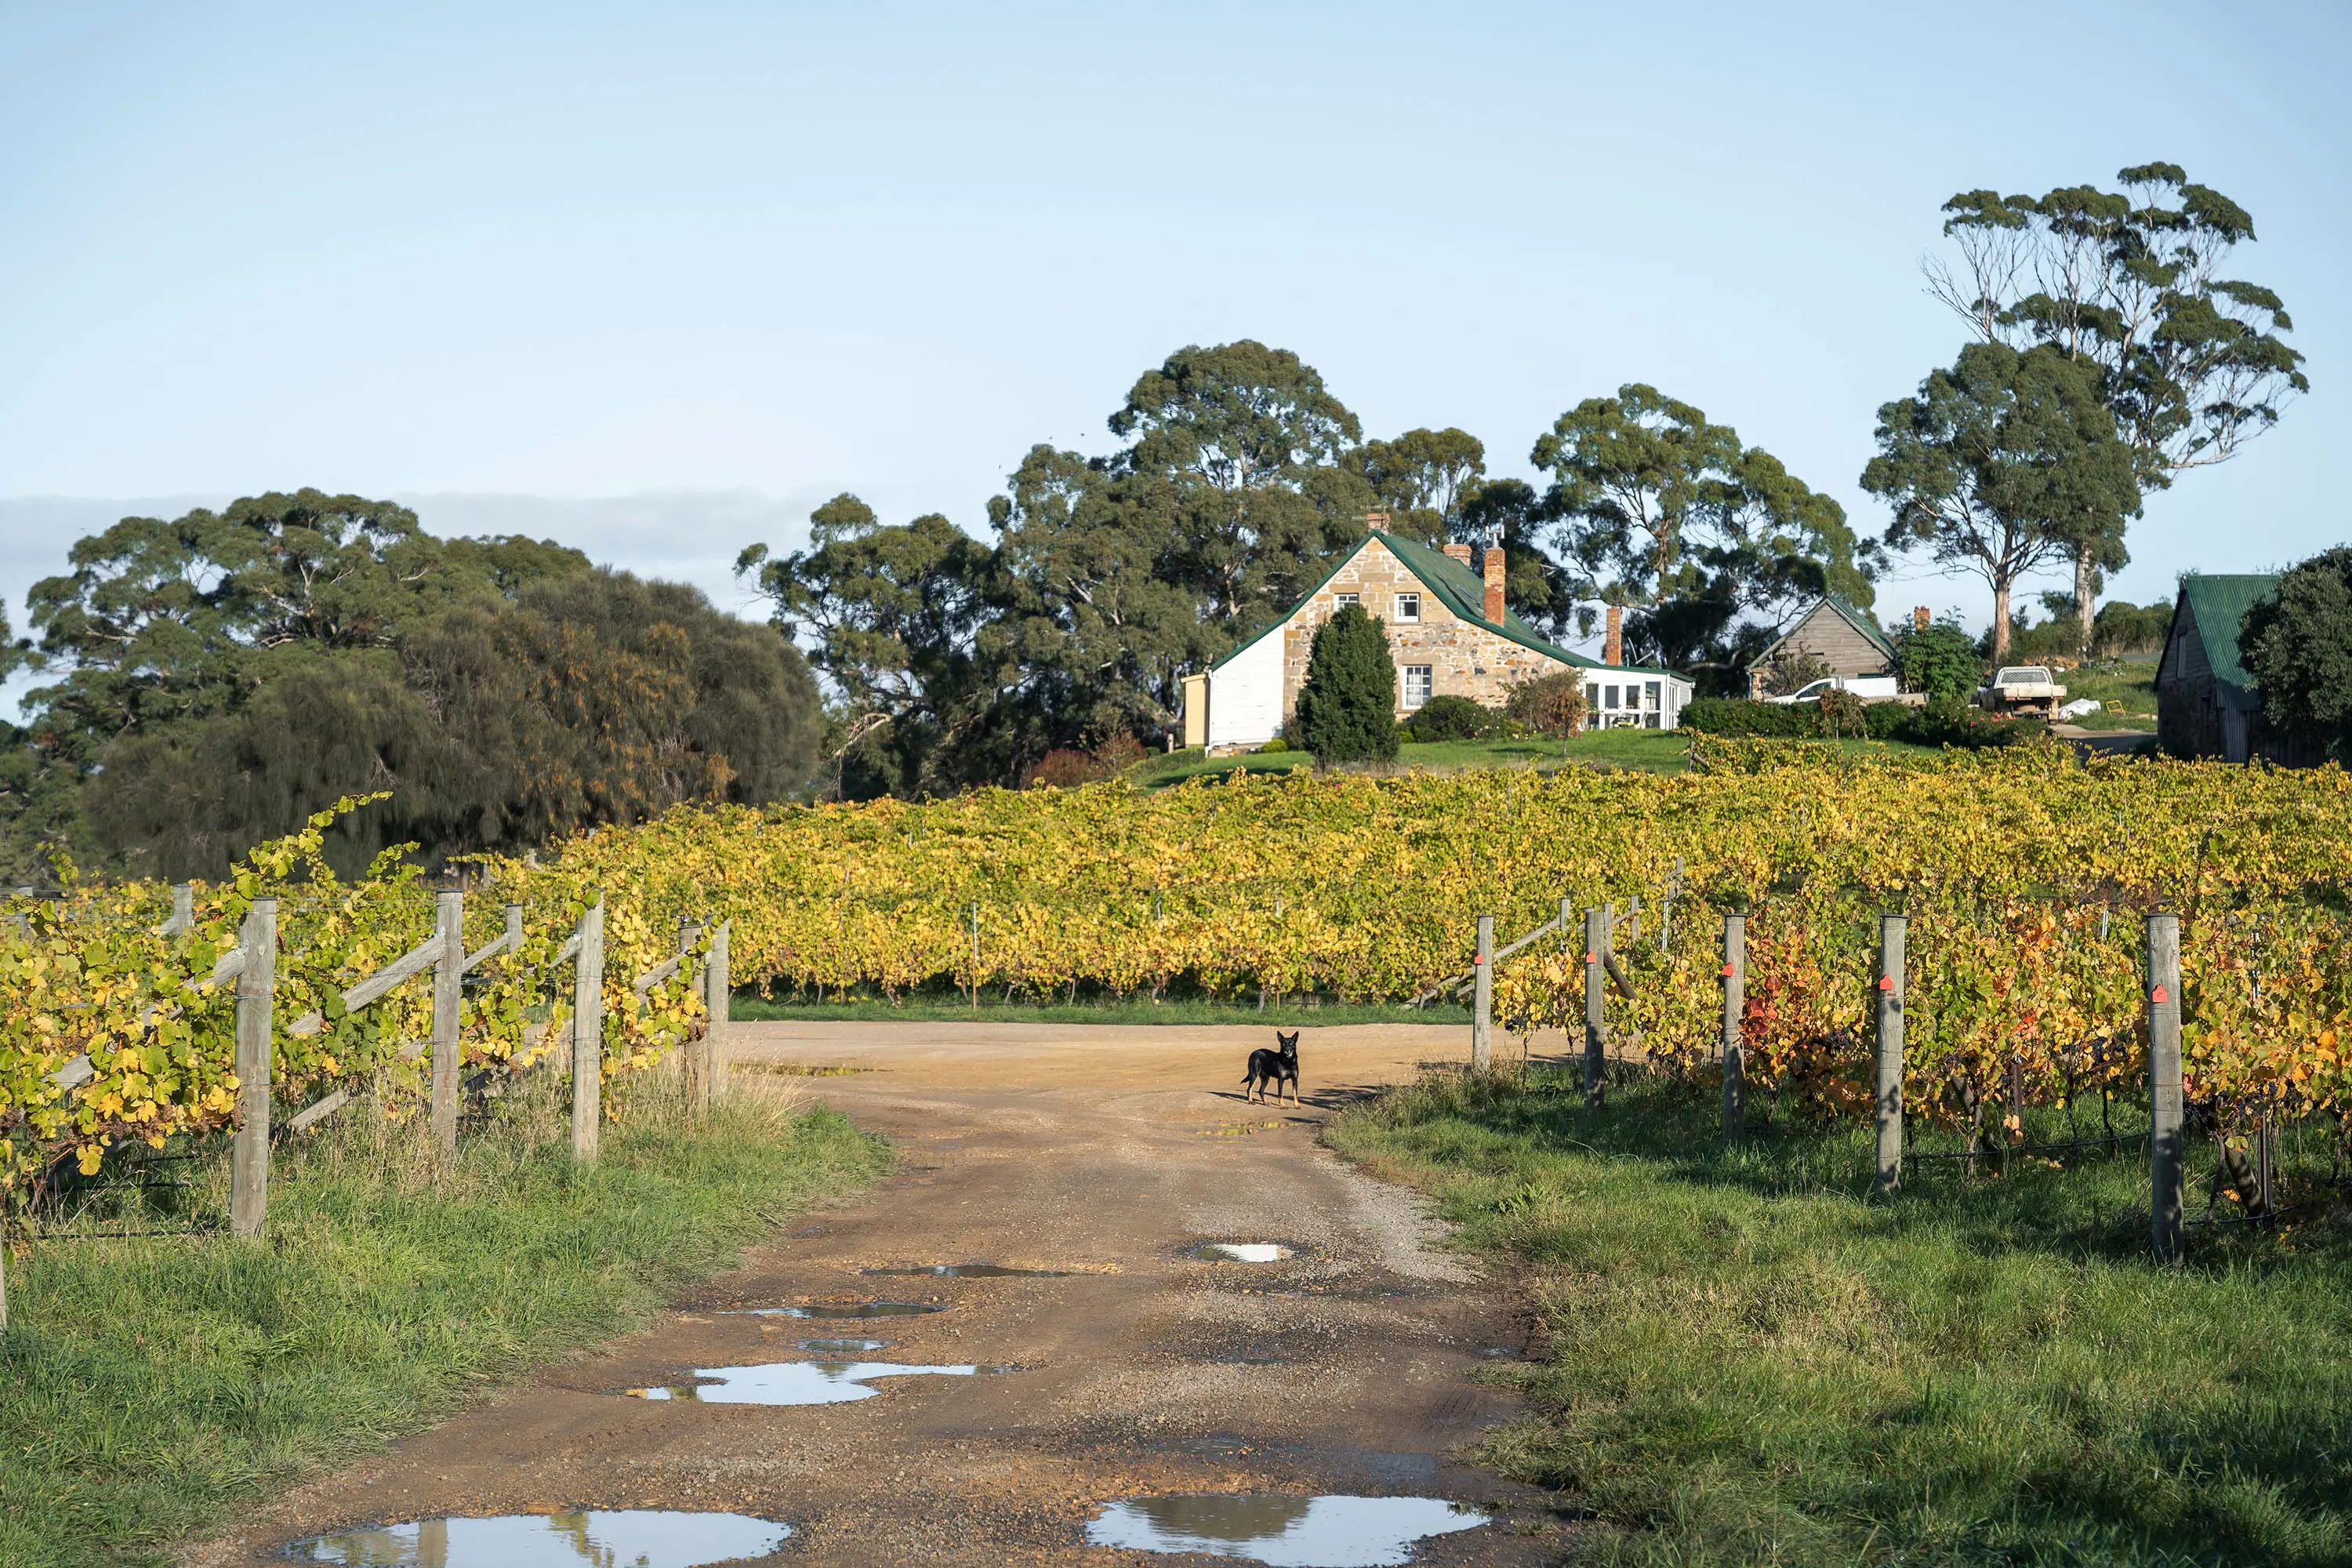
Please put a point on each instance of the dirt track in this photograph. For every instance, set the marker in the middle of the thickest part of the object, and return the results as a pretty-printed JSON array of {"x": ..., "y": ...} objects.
[{"x": 1105, "y": 1152}]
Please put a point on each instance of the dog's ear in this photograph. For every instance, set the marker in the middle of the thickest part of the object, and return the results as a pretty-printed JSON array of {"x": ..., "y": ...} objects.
[{"x": 1290, "y": 1039}]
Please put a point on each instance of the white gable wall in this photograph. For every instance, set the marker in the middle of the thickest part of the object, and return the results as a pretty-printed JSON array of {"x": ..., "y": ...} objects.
[{"x": 1246, "y": 695}]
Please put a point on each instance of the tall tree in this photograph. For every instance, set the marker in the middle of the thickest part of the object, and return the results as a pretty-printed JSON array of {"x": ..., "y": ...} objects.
[
  {"x": 1239, "y": 446},
  {"x": 1422, "y": 479},
  {"x": 2000, "y": 465},
  {"x": 887, "y": 614},
  {"x": 1538, "y": 586},
  {"x": 1662, "y": 510},
  {"x": 1092, "y": 624},
  {"x": 2297, "y": 642},
  {"x": 1346, "y": 705},
  {"x": 2190, "y": 363}
]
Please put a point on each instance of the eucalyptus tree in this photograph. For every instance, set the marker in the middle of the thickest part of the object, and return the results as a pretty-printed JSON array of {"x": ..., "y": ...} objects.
[
  {"x": 2001, "y": 465},
  {"x": 2190, "y": 363}
]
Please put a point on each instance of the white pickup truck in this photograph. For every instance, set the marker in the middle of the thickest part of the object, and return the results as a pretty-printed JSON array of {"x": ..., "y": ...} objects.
[
  {"x": 1869, "y": 687},
  {"x": 2022, "y": 688}
]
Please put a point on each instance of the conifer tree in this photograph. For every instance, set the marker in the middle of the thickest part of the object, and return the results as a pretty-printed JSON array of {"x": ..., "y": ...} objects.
[{"x": 1346, "y": 709}]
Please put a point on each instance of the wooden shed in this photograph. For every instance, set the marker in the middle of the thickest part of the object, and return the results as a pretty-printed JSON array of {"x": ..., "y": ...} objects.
[
  {"x": 1843, "y": 636},
  {"x": 2206, "y": 702}
]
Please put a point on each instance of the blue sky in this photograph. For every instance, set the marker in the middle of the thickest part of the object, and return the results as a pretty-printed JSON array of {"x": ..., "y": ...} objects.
[{"x": 661, "y": 278}]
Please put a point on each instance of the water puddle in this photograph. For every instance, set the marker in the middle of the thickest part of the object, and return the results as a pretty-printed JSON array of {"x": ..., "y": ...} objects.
[
  {"x": 793, "y": 1381},
  {"x": 1239, "y": 1251},
  {"x": 846, "y": 1347},
  {"x": 626, "y": 1538},
  {"x": 973, "y": 1271},
  {"x": 842, "y": 1309},
  {"x": 1282, "y": 1531}
]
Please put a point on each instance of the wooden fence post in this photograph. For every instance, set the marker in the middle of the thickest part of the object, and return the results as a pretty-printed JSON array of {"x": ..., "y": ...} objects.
[
  {"x": 2166, "y": 1155},
  {"x": 695, "y": 1061},
  {"x": 1734, "y": 1012},
  {"x": 717, "y": 999},
  {"x": 1482, "y": 1004},
  {"x": 1890, "y": 1056},
  {"x": 588, "y": 1034},
  {"x": 183, "y": 909},
  {"x": 975, "y": 959},
  {"x": 256, "y": 989},
  {"x": 514, "y": 931},
  {"x": 449, "y": 975},
  {"x": 1596, "y": 947}
]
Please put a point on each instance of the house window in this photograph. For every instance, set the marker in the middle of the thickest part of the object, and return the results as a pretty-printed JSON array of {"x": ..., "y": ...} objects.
[
  {"x": 1649, "y": 721},
  {"x": 1407, "y": 608},
  {"x": 1611, "y": 701},
  {"x": 1650, "y": 699},
  {"x": 1416, "y": 684},
  {"x": 1341, "y": 601}
]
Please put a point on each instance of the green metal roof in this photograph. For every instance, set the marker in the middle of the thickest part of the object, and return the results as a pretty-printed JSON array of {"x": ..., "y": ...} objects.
[
  {"x": 2220, "y": 601},
  {"x": 1463, "y": 591}
]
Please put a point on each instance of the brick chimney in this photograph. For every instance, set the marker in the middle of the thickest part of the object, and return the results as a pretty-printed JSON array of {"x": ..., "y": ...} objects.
[
  {"x": 1920, "y": 617},
  {"x": 1612, "y": 647},
  {"x": 1460, "y": 552},
  {"x": 1378, "y": 522},
  {"x": 1494, "y": 564}
]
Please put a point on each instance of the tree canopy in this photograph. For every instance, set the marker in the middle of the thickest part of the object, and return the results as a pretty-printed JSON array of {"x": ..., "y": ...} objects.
[
  {"x": 2297, "y": 645},
  {"x": 2190, "y": 363}
]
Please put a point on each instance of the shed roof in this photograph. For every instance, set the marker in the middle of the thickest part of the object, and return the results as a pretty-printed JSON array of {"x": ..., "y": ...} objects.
[
  {"x": 2217, "y": 604},
  {"x": 1462, "y": 591}
]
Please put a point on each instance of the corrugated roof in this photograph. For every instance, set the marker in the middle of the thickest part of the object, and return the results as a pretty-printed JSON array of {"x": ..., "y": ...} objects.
[
  {"x": 2220, "y": 601},
  {"x": 1463, "y": 591}
]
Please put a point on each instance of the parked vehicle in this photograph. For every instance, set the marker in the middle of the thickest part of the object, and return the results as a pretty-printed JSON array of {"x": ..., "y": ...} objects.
[
  {"x": 1869, "y": 687},
  {"x": 2022, "y": 688}
]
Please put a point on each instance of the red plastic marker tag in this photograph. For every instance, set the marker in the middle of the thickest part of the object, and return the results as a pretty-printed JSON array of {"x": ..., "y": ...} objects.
[
  {"x": 1886, "y": 983},
  {"x": 1588, "y": 955},
  {"x": 1478, "y": 960},
  {"x": 2159, "y": 996},
  {"x": 1727, "y": 971}
]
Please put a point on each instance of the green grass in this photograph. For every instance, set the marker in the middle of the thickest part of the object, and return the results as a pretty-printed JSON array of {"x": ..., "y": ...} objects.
[
  {"x": 1649, "y": 750},
  {"x": 148, "y": 1387},
  {"x": 1742, "y": 1360},
  {"x": 2127, "y": 686},
  {"x": 935, "y": 1007}
]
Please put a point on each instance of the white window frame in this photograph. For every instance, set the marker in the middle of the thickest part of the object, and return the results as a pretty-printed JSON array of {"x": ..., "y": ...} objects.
[
  {"x": 1405, "y": 673},
  {"x": 1341, "y": 601},
  {"x": 1408, "y": 616}
]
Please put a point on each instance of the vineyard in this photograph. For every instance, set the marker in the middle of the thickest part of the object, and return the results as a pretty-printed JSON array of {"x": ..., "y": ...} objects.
[{"x": 2024, "y": 875}]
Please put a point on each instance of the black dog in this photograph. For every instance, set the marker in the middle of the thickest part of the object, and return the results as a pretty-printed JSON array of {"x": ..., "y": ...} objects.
[{"x": 1274, "y": 1068}]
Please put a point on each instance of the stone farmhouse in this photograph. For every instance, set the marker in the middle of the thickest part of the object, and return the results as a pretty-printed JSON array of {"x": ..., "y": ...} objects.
[{"x": 1451, "y": 636}]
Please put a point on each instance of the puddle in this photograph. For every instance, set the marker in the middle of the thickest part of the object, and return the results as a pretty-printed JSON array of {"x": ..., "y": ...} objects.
[
  {"x": 846, "y": 1347},
  {"x": 973, "y": 1271},
  {"x": 793, "y": 1381},
  {"x": 1239, "y": 1251},
  {"x": 1282, "y": 1531},
  {"x": 842, "y": 1309},
  {"x": 631, "y": 1537}
]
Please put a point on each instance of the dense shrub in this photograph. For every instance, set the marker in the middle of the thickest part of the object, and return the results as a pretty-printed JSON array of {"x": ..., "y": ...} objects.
[
  {"x": 2298, "y": 644},
  {"x": 1552, "y": 705},
  {"x": 1939, "y": 659},
  {"x": 1452, "y": 718},
  {"x": 1277, "y": 744},
  {"x": 1065, "y": 767},
  {"x": 1738, "y": 716},
  {"x": 1118, "y": 754},
  {"x": 1840, "y": 714},
  {"x": 1346, "y": 709}
]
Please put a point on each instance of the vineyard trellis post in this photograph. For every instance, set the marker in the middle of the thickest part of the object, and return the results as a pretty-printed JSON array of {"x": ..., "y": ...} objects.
[
  {"x": 2166, "y": 1156},
  {"x": 256, "y": 991},
  {"x": 1735, "y": 1011},
  {"x": 694, "y": 1065},
  {"x": 1596, "y": 946},
  {"x": 717, "y": 999},
  {"x": 1889, "y": 1086},
  {"x": 1482, "y": 1004},
  {"x": 449, "y": 975},
  {"x": 588, "y": 1033},
  {"x": 184, "y": 909}
]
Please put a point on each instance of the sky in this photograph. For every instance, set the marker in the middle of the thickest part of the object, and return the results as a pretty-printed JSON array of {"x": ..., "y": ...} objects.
[{"x": 658, "y": 279}]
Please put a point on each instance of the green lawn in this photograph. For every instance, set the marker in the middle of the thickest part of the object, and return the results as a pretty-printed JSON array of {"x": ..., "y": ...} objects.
[
  {"x": 931, "y": 1006},
  {"x": 149, "y": 1387},
  {"x": 1741, "y": 1359},
  {"x": 2127, "y": 686}
]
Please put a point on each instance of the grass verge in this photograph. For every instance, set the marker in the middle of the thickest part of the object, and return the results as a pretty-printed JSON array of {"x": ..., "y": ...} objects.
[
  {"x": 148, "y": 1386},
  {"x": 1741, "y": 1359},
  {"x": 945, "y": 1007}
]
